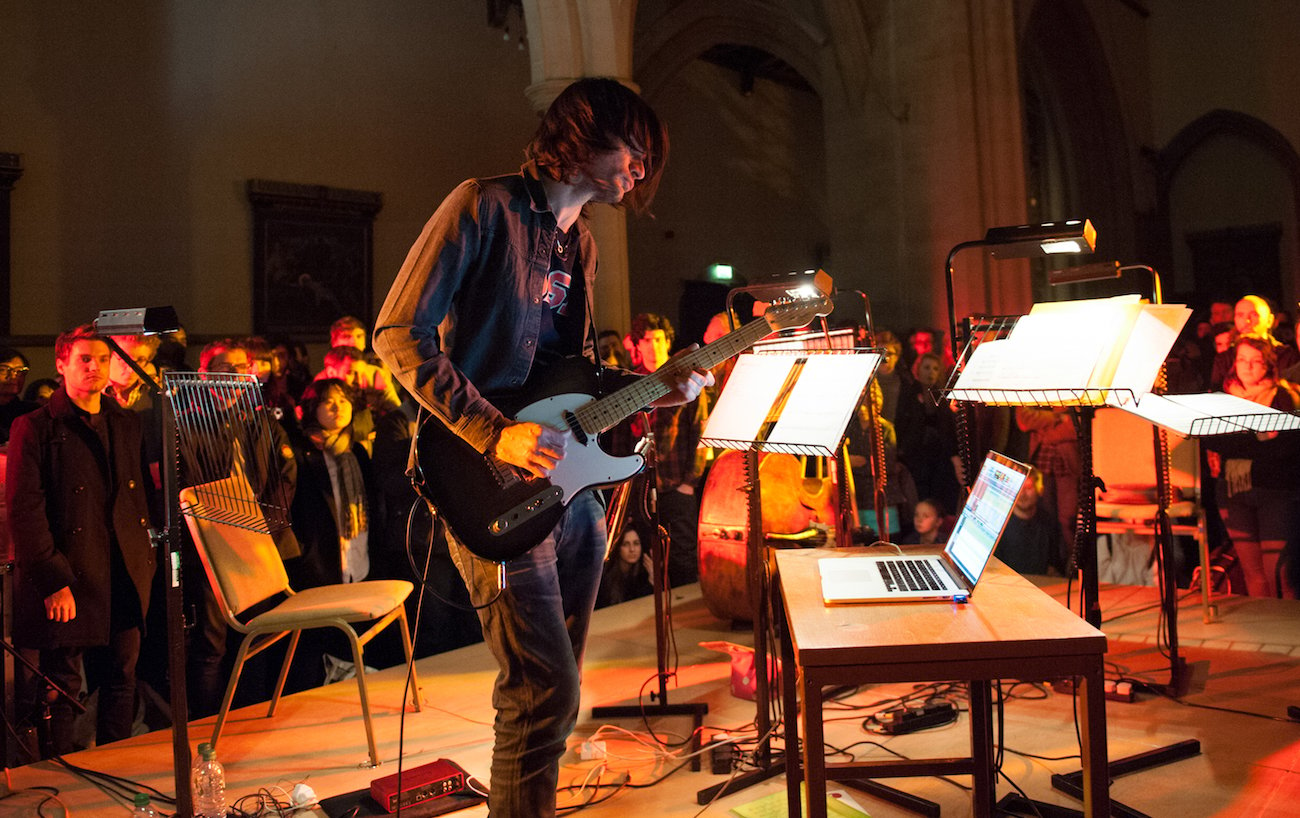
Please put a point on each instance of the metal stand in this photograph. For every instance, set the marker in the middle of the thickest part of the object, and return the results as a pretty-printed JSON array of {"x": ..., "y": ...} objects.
[
  {"x": 168, "y": 542},
  {"x": 46, "y": 750},
  {"x": 1071, "y": 783},
  {"x": 752, "y": 435},
  {"x": 7, "y": 680},
  {"x": 1178, "y": 675},
  {"x": 1085, "y": 529},
  {"x": 695, "y": 710},
  {"x": 1084, "y": 556},
  {"x": 760, "y": 581}
]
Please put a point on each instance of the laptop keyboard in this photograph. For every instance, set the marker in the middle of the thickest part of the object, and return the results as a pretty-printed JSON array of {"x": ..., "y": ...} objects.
[{"x": 910, "y": 575}]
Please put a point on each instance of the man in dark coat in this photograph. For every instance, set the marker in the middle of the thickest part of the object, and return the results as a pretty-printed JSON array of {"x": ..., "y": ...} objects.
[{"x": 79, "y": 518}]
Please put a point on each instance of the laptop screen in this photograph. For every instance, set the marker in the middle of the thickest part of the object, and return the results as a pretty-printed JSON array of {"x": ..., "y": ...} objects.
[{"x": 985, "y": 514}]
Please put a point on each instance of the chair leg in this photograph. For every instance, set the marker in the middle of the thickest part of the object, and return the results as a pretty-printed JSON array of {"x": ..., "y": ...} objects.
[
  {"x": 1209, "y": 611},
  {"x": 410, "y": 660},
  {"x": 284, "y": 673},
  {"x": 230, "y": 690},
  {"x": 365, "y": 696}
]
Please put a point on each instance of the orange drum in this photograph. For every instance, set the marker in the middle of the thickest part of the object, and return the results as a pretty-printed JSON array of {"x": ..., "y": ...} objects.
[{"x": 791, "y": 504}]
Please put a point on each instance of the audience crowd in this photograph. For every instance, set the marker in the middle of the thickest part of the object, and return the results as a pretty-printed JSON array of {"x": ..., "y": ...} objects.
[{"x": 335, "y": 447}]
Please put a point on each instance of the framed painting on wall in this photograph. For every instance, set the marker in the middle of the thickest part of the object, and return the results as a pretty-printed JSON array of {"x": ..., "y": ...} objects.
[{"x": 312, "y": 256}]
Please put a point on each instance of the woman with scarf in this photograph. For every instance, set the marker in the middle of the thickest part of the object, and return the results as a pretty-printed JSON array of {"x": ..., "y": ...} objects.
[
  {"x": 330, "y": 507},
  {"x": 1258, "y": 483}
]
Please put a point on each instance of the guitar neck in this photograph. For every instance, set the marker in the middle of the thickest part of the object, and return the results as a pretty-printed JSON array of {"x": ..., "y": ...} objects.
[{"x": 599, "y": 415}]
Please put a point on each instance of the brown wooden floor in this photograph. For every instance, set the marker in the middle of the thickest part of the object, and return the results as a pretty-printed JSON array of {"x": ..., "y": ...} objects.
[{"x": 1248, "y": 660}]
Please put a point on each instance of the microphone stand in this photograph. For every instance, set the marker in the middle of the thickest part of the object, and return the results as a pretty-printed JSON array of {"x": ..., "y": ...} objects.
[
  {"x": 167, "y": 544},
  {"x": 659, "y": 552},
  {"x": 47, "y": 749}
]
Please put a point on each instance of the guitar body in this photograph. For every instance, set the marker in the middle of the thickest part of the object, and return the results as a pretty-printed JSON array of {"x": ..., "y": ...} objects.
[{"x": 498, "y": 511}]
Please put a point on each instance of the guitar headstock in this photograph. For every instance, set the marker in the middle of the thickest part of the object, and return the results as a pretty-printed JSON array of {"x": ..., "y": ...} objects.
[{"x": 799, "y": 307}]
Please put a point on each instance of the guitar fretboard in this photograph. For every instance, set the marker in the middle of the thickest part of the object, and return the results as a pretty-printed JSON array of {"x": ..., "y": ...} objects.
[{"x": 602, "y": 414}]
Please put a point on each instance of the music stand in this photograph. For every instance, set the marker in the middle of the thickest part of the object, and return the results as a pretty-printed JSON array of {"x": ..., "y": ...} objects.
[
  {"x": 1139, "y": 359},
  {"x": 791, "y": 402}
]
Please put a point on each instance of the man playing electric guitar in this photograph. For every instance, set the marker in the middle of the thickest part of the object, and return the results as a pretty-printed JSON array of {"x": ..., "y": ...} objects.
[{"x": 498, "y": 284}]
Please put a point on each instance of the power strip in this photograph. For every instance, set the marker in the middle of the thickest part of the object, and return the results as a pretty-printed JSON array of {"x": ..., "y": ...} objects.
[
  {"x": 910, "y": 719},
  {"x": 1115, "y": 691},
  {"x": 592, "y": 750}
]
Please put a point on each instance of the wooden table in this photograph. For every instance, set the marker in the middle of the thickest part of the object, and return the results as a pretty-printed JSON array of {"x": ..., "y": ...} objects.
[{"x": 1009, "y": 630}]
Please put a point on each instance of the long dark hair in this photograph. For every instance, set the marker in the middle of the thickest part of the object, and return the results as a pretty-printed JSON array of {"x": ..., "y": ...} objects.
[{"x": 590, "y": 116}]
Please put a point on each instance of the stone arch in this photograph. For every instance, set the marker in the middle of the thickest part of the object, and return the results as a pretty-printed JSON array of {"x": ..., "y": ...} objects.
[
  {"x": 689, "y": 30},
  {"x": 1170, "y": 160},
  {"x": 1231, "y": 123}
]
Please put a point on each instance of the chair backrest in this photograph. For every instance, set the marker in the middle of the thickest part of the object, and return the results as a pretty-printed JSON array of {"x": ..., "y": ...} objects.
[
  {"x": 243, "y": 566},
  {"x": 1123, "y": 454}
]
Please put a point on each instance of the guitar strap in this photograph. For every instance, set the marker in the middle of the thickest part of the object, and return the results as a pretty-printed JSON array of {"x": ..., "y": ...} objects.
[{"x": 594, "y": 335}]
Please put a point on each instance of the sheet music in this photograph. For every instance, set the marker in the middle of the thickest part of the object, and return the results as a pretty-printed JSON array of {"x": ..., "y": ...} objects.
[
  {"x": 1005, "y": 372},
  {"x": 1154, "y": 332},
  {"x": 751, "y": 390},
  {"x": 824, "y": 400},
  {"x": 1059, "y": 350},
  {"x": 1092, "y": 330},
  {"x": 1074, "y": 352}
]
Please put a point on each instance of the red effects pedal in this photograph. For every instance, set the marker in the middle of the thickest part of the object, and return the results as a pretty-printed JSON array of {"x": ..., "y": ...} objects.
[{"x": 423, "y": 783}]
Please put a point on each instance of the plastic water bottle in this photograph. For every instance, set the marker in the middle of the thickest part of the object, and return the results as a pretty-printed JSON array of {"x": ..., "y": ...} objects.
[
  {"x": 142, "y": 808},
  {"x": 208, "y": 784}
]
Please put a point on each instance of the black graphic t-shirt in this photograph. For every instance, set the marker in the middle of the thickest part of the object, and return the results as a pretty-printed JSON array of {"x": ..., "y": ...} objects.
[{"x": 562, "y": 324}]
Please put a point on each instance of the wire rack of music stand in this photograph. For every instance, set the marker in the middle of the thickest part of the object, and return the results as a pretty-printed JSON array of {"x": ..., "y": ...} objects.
[{"x": 221, "y": 425}]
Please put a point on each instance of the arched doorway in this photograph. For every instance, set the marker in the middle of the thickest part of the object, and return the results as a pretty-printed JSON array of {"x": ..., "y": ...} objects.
[
  {"x": 745, "y": 186},
  {"x": 1076, "y": 147},
  {"x": 1230, "y": 189}
]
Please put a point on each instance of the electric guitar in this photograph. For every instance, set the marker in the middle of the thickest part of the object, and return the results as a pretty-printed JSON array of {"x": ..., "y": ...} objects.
[{"x": 499, "y": 511}]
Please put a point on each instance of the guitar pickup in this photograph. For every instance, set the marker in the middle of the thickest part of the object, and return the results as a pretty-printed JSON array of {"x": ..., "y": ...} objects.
[{"x": 538, "y": 502}]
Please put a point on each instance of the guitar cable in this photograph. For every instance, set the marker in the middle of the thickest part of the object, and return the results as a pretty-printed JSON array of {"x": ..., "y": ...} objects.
[{"x": 436, "y": 525}]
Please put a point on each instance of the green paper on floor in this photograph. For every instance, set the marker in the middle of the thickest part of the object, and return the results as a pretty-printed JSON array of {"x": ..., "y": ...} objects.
[{"x": 776, "y": 806}]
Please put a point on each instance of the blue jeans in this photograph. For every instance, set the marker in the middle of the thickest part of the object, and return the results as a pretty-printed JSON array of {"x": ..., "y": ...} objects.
[{"x": 537, "y": 630}]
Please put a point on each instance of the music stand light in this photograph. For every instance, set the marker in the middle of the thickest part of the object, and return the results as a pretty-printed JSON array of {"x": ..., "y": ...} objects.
[
  {"x": 1103, "y": 271},
  {"x": 1070, "y": 237},
  {"x": 797, "y": 284},
  {"x": 137, "y": 321}
]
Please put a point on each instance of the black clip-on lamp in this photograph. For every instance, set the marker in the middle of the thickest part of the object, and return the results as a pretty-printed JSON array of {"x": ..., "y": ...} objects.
[
  {"x": 156, "y": 321},
  {"x": 796, "y": 284},
  {"x": 1070, "y": 237}
]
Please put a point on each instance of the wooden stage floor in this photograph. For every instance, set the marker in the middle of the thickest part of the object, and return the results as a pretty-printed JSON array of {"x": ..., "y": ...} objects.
[{"x": 1248, "y": 661}]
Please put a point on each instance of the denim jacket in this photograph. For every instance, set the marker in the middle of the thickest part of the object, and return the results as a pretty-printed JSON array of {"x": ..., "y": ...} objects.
[{"x": 459, "y": 328}]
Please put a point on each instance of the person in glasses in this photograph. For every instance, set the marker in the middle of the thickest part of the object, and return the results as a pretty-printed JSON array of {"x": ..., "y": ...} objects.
[{"x": 13, "y": 374}]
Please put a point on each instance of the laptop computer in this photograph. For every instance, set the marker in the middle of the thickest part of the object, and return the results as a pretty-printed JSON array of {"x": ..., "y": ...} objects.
[{"x": 951, "y": 575}]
